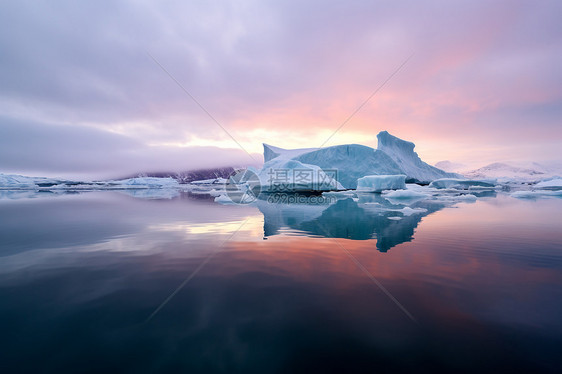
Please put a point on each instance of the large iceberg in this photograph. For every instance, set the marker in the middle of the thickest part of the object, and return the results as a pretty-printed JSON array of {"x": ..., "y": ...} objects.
[{"x": 348, "y": 163}]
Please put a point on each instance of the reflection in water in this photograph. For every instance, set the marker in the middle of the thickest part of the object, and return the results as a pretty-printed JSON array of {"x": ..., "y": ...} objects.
[
  {"x": 370, "y": 216},
  {"x": 79, "y": 275}
]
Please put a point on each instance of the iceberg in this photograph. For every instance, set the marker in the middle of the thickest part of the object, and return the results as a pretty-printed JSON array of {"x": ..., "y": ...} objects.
[
  {"x": 546, "y": 188},
  {"x": 350, "y": 162},
  {"x": 16, "y": 182},
  {"x": 462, "y": 184},
  {"x": 552, "y": 184},
  {"x": 379, "y": 183},
  {"x": 20, "y": 182}
]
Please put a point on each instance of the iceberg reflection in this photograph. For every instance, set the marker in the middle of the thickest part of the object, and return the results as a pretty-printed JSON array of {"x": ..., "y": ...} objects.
[{"x": 367, "y": 216}]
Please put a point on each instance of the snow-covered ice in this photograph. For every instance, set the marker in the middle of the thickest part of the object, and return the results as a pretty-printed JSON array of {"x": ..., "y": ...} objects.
[
  {"x": 552, "y": 184},
  {"x": 379, "y": 183},
  {"x": 405, "y": 195}
]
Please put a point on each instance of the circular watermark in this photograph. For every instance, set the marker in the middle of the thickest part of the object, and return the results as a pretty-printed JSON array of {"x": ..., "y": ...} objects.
[{"x": 243, "y": 186}]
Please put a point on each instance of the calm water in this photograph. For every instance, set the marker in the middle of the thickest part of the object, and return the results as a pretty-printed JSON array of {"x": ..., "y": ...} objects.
[{"x": 109, "y": 282}]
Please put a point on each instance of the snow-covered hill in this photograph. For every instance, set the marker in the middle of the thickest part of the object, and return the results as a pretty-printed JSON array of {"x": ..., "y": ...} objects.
[{"x": 505, "y": 172}]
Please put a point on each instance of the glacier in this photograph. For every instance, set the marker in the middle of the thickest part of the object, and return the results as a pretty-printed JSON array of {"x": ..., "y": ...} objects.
[{"x": 350, "y": 162}]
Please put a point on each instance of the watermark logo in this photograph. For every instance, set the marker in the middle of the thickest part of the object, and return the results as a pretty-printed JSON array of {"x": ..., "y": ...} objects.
[
  {"x": 283, "y": 186},
  {"x": 243, "y": 186},
  {"x": 301, "y": 179},
  {"x": 296, "y": 198}
]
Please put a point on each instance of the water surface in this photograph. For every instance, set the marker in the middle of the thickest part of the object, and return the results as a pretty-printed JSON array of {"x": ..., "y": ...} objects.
[{"x": 106, "y": 281}]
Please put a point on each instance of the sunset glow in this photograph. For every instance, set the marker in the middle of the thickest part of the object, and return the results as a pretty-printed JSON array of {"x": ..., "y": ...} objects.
[{"x": 482, "y": 84}]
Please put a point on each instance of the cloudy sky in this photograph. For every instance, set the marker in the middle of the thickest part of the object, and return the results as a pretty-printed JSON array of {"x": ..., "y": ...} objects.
[{"x": 80, "y": 94}]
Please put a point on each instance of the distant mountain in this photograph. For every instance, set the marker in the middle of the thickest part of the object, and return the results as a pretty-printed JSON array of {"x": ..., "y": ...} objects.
[
  {"x": 449, "y": 166},
  {"x": 529, "y": 173},
  {"x": 190, "y": 175}
]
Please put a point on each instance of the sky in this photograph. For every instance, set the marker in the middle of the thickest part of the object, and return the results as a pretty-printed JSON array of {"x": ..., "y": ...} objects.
[{"x": 106, "y": 88}]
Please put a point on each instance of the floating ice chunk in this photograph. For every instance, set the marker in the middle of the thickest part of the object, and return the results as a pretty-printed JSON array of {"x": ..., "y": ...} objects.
[
  {"x": 552, "y": 184},
  {"x": 223, "y": 199},
  {"x": 462, "y": 184},
  {"x": 395, "y": 218},
  {"x": 405, "y": 195},
  {"x": 216, "y": 193},
  {"x": 379, "y": 183}
]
